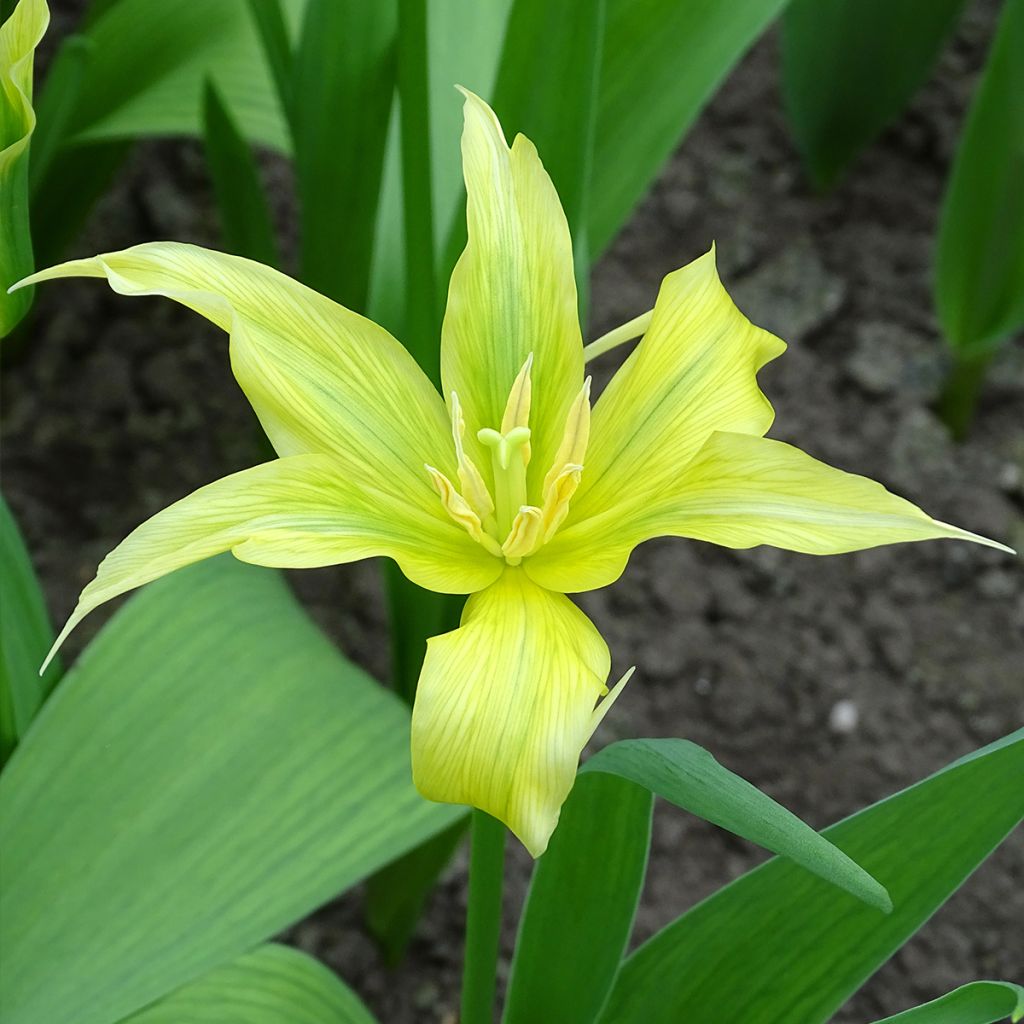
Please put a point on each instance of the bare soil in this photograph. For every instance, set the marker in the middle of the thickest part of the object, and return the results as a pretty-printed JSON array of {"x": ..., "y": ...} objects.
[{"x": 829, "y": 683}]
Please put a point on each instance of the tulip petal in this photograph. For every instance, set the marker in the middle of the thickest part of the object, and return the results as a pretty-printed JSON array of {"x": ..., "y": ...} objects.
[
  {"x": 512, "y": 292},
  {"x": 741, "y": 491},
  {"x": 320, "y": 377},
  {"x": 694, "y": 372},
  {"x": 505, "y": 705},
  {"x": 299, "y": 512}
]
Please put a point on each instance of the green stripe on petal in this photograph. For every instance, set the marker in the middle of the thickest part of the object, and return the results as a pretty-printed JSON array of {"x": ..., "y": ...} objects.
[
  {"x": 694, "y": 372},
  {"x": 505, "y": 705},
  {"x": 741, "y": 491},
  {"x": 512, "y": 291},
  {"x": 299, "y": 512},
  {"x": 320, "y": 377}
]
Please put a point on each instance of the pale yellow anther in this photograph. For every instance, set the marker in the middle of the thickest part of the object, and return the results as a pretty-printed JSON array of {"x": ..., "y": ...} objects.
[
  {"x": 473, "y": 487},
  {"x": 525, "y": 536},
  {"x": 517, "y": 408},
  {"x": 574, "y": 438},
  {"x": 460, "y": 511}
]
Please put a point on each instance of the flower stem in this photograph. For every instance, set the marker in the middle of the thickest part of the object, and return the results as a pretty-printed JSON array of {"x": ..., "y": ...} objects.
[{"x": 483, "y": 919}]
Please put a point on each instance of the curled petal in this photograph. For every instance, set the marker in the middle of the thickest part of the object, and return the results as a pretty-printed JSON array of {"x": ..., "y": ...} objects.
[{"x": 505, "y": 705}]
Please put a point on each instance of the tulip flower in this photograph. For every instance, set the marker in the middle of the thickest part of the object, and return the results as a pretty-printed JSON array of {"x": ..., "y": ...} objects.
[{"x": 511, "y": 488}]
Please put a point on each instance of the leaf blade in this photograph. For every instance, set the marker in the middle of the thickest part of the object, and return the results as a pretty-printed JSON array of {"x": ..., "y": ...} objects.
[
  {"x": 581, "y": 904},
  {"x": 194, "y": 785},
  {"x": 271, "y": 985},
  {"x": 979, "y": 278},
  {"x": 688, "y": 776},
  {"x": 732, "y": 952},
  {"x": 980, "y": 1002}
]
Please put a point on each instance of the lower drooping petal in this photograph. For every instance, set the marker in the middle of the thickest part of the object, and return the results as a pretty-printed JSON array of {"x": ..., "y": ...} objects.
[
  {"x": 300, "y": 512},
  {"x": 741, "y": 491},
  {"x": 505, "y": 705}
]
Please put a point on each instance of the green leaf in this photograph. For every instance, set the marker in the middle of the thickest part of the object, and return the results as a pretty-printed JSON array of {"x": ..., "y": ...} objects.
[
  {"x": 582, "y": 901},
  {"x": 396, "y": 895},
  {"x": 209, "y": 771},
  {"x": 25, "y": 637},
  {"x": 689, "y": 777},
  {"x": 271, "y": 985},
  {"x": 56, "y": 104},
  {"x": 147, "y": 71},
  {"x": 277, "y": 49},
  {"x": 245, "y": 219},
  {"x": 19, "y": 36},
  {"x": 851, "y": 68},
  {"x": 663, "y": 60},
  {"x": 979, "y": 282},
  {"x": 464, "y": 40},
  {"x": 780, "y": 944},
  {"x": 981, "y": 1002},
  {"x": 541, "y": 41},
  {"x": 343, "y": 87}
]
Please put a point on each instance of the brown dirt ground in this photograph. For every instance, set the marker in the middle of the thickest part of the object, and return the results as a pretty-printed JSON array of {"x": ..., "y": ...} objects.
[{"x": 120, "y": 407}]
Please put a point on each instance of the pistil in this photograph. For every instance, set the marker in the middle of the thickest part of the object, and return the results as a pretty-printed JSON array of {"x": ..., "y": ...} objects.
[{"x": 509, "y": 456}]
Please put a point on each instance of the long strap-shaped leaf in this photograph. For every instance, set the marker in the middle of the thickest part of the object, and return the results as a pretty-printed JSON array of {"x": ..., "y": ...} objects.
[
  {"x": 981, "y": 1002},
  {"x": 271, "y": 985},
  {"x": 209, "y": 771},
  {"x": 850, "y": 68},
  {"x": 688, "y": 776},
  {"x": 583, "y": 896},
  {"x": 25, "y": 637},
  {"x": 779, "y": 944}
]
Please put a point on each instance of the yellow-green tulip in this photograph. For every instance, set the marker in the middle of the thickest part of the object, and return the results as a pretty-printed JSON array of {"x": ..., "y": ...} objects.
[{"x": 509, "y": 490}]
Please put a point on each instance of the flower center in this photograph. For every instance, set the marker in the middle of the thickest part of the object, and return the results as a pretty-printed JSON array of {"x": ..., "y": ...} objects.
[{"x": 507, "y": 525}]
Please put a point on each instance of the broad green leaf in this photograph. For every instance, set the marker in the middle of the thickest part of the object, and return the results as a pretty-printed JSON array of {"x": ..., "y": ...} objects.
[
  {"x": 275, "y": 39},
  {"x": 19, "y": 36},
  {"x": 981, "y": 1002},
  {"x": 147, "y": 71},
  {"x": 849, "y": 68},
  {"x": 780, "y": 944},
  {"x": 662, "y": 61},
  {"x": 582, "y": 901},
  {"x": 343, "y": 86},
  {"x": 209, "y": 771},
  {"x": 689, "y": 777},
  {"x": 271, "y": 985},
  {"x": 543, "y": 39},
  {"x": 979, "y": 282},
  {"x": 25, "y": 637},
  {"x": 245, "y": 219}
]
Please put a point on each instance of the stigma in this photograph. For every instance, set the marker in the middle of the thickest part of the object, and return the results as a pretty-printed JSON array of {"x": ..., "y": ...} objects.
[{"x": 502, "y": 517}]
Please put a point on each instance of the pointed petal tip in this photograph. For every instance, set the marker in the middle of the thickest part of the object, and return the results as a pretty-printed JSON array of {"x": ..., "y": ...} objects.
[{"x": 956, "y": 533}]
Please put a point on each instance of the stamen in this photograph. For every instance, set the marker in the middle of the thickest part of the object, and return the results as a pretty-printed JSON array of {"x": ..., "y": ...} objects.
[
  {"x": 524, "y": 537},
  {"x": 473, "y": 486},
  {"x": 460, "y": 511},
  {"x": 517, "y": 408}
]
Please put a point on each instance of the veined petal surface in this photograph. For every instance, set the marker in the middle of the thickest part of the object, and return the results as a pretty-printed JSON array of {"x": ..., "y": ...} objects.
[
  {"x": 320, "y": 377},
  {"x": 512, "y": 292},
  {"x": 299, "y": 512},
  {"x": 505, "y": 705},
  {"x": 741, "y": 491},
  {"x": 694, "y": 372}
]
